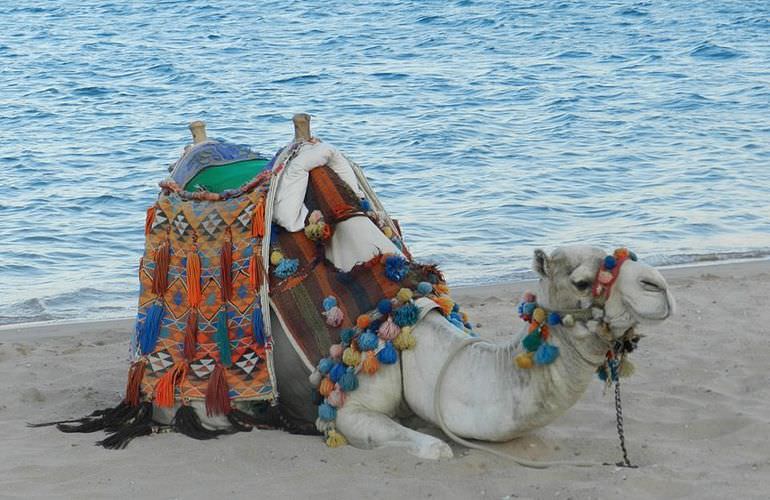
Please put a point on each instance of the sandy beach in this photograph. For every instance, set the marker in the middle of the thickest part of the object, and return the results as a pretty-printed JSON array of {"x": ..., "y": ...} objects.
[{"x": 697, "y": 418}]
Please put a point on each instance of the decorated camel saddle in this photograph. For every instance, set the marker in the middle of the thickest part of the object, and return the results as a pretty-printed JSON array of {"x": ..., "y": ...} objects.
[{"x": 277, "y": 292}]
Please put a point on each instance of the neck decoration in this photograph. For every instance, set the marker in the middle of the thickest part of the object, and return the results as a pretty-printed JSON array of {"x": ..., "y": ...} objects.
[{"x": 535, "y": 347}]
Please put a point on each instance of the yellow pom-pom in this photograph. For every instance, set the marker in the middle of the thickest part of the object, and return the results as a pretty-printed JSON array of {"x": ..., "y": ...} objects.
[
  {"x": 538, "y": 315},
  {"x": 315, "y": 231},
  {"x": 404, "y": 295},
  {"x": 326, "y": 387},
  {"x": 335, "y": 439},
  {"x": 441, "y": 289},
  {"x": 523, "y": 360},
  {"x": 351, "y": 357},
  {"x": 388, "y": 232},
  {"x": 627, "y": 368},
  {"x": 276, "y": 257},
  {"x": 405, "y": 339}
]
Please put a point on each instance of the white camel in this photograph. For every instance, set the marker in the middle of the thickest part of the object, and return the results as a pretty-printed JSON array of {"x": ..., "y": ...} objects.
[{"x": 483, "y": 394}]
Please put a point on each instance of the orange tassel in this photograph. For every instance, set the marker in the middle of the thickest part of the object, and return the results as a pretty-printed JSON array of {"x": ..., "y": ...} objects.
[
  {"x": 167, "y": 384},
  {"x": 134, "y": 385},
  {"x": 258, "y": 219},
  {"x": 226, "y": 264},
  {"x": 370, "y": 364},
  {"x": 191, "y": 335},
  {"x": 217, "y": 393},
  {"x": 160, "y": 277},
  {"x": 149, "y": 219},
  {"x": 326, "y": 387},
  {"x": 255, "y": 272},
  {"x": 193, "y": 278}
]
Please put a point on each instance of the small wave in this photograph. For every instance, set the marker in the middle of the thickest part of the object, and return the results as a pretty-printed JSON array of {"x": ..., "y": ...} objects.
[
  {"x": 302, "y": 79},
  {"x": 91, "y": 91},
  {"x": 715, "y": 52}
]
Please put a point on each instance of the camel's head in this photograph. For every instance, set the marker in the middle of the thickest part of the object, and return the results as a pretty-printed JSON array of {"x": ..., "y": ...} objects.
[{"x": 576, "y": 277}]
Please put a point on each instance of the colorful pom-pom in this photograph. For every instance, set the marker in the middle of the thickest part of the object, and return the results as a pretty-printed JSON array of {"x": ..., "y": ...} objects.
[
  {"x": 276, "y": 257},
  {"x": 531, "y": 342},
  {"x": 370, "y": 364},
  {"x": 568, "y": 321},
  {"x": 334, "y": 439},
  {"x": 523, "y": 360},
  {"x": 546, "y": 354},
  {"x": 346, "y": 335},
  {"x": 529, "y": 297},
  {"x": 315, "y": 378},
  {"x": 405, "y": 339},
  {"x": 609, "y": 263},
  {"x": 621, "y": 253},
  {"x": 404, "y": 295},
  {"x": 363, "y": 321},
  {"x": 335, "y": 351},
  {"x": 337, "y": 371},
  {"x": 529, "y": 308},
  {"x": 336, "y": 398},
  {"x": 406, "y": 315},
  {"x": 325, "y": 365},
  {"x": 388, "y": 330},
  {"x": 286, "y": 268},
  {"x": 329, "y": 302},
  {"x": 554, "y": 318},
  {"x": 424, "y": 288},
  {"x": 632, "y": 256},
  {"x": 325, "y": 387},
  {"x": 445, "y": 303},
  {"x": 351, "y": 357},
  {"x": 396, "y": 268},
  {"x": 327, "y": 412},
  {"x": 388, "y": 354},
  {"x": 388, "y": 232},
  {"x": 367, "y": 341},
  {"x": 538, "y": 315},
  {"x": 349, "y": 381},
  {"x": 334, "y": 316},
  {"x": 385, "y": 306},
  {"x": 626, "y": 369},
  {"x": 315, "y": 217},
  {"x": 366, "y": 206}
]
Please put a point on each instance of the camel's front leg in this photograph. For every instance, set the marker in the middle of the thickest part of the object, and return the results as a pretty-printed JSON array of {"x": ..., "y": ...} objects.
[
  {"x": 365, "y": 419},
  {"x": 369, "y": 429}
]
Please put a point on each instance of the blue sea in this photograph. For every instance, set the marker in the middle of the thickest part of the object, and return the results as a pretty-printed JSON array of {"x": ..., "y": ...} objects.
[{"x": 488, "y": 128}]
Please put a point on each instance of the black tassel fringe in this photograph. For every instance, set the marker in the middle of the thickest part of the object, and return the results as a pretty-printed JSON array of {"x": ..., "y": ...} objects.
[{"x": 187, "y": 422}]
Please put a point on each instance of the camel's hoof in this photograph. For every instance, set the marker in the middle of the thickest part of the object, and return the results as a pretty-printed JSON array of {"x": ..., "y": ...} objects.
[{"x": 434, "y": 450}]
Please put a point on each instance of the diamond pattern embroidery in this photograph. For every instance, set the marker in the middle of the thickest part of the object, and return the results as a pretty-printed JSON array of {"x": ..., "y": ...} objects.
[
  {"x": 212, "y": 225},
  {"x": 160, "y": 361},
  {"x": 203, "y": 367},
  {"x": 180, "y": 224},
  {"x": 247, "y": 363}
]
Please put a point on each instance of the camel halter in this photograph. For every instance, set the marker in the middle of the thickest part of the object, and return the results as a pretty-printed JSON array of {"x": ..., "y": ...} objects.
[{"x": 605, "y": 278}]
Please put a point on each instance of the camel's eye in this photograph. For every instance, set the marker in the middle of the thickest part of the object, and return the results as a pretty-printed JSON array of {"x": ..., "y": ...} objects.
[{"x": 582, "y": 285}]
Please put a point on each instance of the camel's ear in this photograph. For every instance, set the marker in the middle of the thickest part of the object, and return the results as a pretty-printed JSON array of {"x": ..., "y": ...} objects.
[{"x": 540, "y": 263}]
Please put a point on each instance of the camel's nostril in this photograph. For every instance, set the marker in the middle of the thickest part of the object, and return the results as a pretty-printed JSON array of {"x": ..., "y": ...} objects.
[{"x": 651, "y": 286}]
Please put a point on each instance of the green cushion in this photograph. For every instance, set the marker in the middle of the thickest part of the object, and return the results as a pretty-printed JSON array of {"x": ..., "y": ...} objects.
[{"x": 217, "y": 178}]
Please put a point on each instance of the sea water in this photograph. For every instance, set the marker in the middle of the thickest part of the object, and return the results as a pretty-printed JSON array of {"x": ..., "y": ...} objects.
[{"x": 488, "y": 128}]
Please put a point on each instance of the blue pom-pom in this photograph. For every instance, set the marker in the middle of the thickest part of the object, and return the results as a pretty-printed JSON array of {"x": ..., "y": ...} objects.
[
  {"x": 347, "y": 335},
  {"x": 602, "y": 371},
  {"x": 468, "y": 326},
  {"x": 456, "y": 307},
  {"x": 375, "y": 325},
  {"x": 456, "y": 316},
  {"x": 325, "y": 365},
  {"x": 546, "y": 354},
  {"x": 406, "y": 315},
  {"x": 286, "y": 268},
  {"x": 529, "y": 308},
  {"x": 396, "y": 268},
  {"x": 367, "y": 341},
  {"x": 385, "y": 306},
  {"x": 456, "y": 322},
  {"x": 366, "y": 206},
  {"x": 337, "y": 371},
  {"x": 554, "y": 318},
  {"x": 327, "y": 412},
  {"x": 329, "y": 302},
  {"x": 424, "y": 288},
  {"x": 349, "y": 381},
  {"x": 388, "y": 354},
  {"x": 275, "y": 229},
  {"x": 609, "y": 262}
]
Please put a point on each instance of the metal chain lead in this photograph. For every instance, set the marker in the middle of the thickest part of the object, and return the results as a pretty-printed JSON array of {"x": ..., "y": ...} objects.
[{"x": 619, "y": 415}]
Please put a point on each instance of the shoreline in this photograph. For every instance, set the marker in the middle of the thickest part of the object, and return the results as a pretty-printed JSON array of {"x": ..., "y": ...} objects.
[{"x": 669, "y": 272}]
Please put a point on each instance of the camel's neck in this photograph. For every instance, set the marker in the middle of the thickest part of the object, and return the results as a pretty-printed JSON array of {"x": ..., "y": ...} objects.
[{"x": 486, "y": 396}]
